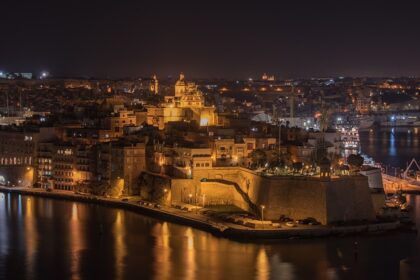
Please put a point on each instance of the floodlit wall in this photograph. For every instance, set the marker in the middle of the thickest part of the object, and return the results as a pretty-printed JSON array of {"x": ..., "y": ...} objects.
[{"x": 339, "y": 199}]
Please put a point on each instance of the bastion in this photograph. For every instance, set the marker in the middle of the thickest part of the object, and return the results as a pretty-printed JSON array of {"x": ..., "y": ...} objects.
[{"x": 328, "y": 200}]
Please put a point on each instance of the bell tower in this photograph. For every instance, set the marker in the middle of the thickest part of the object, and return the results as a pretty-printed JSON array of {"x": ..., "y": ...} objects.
[
  {"x": 154, "y": 85},
  {"x": 180, "y": 86}
]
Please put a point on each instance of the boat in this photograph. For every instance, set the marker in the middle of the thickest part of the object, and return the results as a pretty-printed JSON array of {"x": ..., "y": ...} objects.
[
  {"x": 349, "y": 136},
  {"x": 401, "y": 121},
  {"x": 397, "y": 200},
  {"x": 348, "y": 126}
]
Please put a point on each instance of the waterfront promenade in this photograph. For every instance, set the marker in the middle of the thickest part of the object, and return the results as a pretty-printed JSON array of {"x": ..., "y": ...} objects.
[{"x": 213, "y": 225}]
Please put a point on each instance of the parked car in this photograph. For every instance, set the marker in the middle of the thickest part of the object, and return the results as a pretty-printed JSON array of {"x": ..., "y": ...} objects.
[
  {"x": 308, "y": 221},
  {"x": 290, "y": 224},
  {"x": 284, "y": 219}
]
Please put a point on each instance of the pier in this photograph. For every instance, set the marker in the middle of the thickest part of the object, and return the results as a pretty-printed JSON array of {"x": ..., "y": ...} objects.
[{"x": 394, "y": 184}]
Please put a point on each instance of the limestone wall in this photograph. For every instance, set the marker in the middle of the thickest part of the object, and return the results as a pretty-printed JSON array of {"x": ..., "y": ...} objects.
[
  {"x": 342, "y": 199},
  {"x": 215, "y": 193},
  {"x": 349, "y": 199},
  {"x": 297, "y": 199},
  {"x": 182, "y": 188}
]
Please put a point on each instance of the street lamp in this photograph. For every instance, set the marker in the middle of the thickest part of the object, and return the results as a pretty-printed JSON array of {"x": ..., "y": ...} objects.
[
  {"x": 44, "y": 75},
  {"x": 190, "y": 197},
  {"x": 165, "y": 192},
  {"x": 262, "y": 213}
]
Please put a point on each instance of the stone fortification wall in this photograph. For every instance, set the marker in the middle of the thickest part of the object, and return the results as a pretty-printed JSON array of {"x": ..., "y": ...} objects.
[{"x": 340, "y": 199}]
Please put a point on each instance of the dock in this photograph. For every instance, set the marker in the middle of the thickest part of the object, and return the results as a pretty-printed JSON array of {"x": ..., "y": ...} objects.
[{"x": 394, "y": 184}]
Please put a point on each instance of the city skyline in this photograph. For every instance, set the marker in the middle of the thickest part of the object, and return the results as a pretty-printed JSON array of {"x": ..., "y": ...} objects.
[
  {"x": 231, "y": 40},
  {"x": 209, "y": 140}
]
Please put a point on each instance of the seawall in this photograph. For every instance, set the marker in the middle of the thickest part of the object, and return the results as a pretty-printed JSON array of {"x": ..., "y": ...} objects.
[{"x": 217, "y": 228}]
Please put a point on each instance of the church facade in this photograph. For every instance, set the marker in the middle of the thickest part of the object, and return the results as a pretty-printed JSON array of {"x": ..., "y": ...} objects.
[{"x": 187, "y": 104}]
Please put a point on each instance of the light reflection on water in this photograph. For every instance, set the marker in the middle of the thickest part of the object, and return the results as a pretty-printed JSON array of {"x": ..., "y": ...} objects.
[
  {"x": 4, "y": 233},
  {"x": 76, "y": 241},
  {"x": 31, "y": 236},
  {"x": 81, "y": 241},
  {"x": 120, "y": 246},
  {"x": 392, "y": 146}
]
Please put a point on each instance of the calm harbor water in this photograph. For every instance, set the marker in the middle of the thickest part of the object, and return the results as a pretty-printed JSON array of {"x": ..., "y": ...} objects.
[
  {"x": 52, "y": 239},
  {"x": 394, "y": 147}
]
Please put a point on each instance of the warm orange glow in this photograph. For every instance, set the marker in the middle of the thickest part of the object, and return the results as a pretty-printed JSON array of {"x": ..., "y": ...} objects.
[
  {"x": 262, "y": 265},
  {"x": 235, "y": 158},
  {"x": 119, "y": 244},
  {"x": 204, "y": 121}
]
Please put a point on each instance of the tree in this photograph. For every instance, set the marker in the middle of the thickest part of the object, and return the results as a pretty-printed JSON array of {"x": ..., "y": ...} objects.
[
  {"x": 355, "y": 161},
  {"x": 297, "y": 166},
  {"x": 114, "y": 190},
  {"x": 259, "y": 157}
]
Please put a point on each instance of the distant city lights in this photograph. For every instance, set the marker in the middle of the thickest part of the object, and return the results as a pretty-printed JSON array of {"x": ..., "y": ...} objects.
[{"x": 44, "y": 75}]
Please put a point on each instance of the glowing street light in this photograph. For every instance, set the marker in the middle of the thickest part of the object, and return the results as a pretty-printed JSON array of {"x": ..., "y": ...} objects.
[
  {"x": 262, "y": 212},
  {"x": 44, "y": 75},
  {"x": 190, "y": 198}
]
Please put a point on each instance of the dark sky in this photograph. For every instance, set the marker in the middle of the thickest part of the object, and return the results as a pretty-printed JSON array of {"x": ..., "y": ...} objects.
[{"x": 230, "y": 39}]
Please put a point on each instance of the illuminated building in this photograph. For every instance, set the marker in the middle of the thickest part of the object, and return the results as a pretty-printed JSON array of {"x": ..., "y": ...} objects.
[
  {"x": 127, "y": 162},
  {"x": 90, "y": 135},
  {"x": 154, "y": 85},
  {"x": 19, "y": 151},
  {"x": 45, "y": 165},
  {"x": 230, "y": 150},
  {"x": 73, "y": 166},
  {"x": 121, "y": 162},
  {"x": 186, "y": 160},
  {"x": 119, "y": 120},
  {"x": 266, "y": 77},
  {"x": 187, "y": 104},
  {"x": 78, "y": 84}
]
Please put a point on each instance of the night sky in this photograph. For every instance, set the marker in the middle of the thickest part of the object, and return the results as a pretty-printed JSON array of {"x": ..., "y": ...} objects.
[{"x": 219, "y": 39}]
